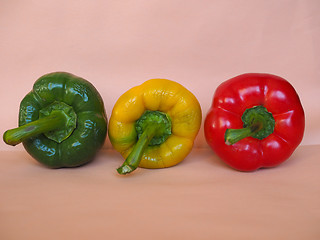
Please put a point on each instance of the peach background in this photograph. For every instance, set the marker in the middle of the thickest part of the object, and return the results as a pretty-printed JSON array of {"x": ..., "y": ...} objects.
[{"x": 121, "y": 43}]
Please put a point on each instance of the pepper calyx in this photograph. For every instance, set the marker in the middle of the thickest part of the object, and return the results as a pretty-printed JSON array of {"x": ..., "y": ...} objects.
[
  {"x": 60, "y": 134},
  {"x": 161, "y": 120},
  {"x": 257, "y": 123},
  {"x": 153, "y": 128}
]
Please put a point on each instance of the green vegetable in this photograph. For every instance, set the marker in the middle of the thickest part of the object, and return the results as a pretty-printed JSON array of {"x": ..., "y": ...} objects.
[{"x": 62, "y": 121}]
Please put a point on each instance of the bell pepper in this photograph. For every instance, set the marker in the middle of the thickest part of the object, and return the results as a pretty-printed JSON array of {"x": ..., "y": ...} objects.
[
  {"x": 255, "y": 121},
  {"x": 62, "y": 121},
  {"x": 154, "y": 125}
]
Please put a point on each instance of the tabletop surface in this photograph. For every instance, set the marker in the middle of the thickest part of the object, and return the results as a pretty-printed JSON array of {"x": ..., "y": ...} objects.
[{"x": 201, "y": 198}]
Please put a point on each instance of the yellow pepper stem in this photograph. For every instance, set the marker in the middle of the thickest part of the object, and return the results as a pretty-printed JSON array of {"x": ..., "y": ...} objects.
[
  {"x": 153, "y": 128},
  {"x": 134, "y": 158}
]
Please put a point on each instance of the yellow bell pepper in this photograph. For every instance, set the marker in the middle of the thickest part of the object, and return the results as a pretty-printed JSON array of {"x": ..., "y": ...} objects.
[{"x": 154, "y": 125}]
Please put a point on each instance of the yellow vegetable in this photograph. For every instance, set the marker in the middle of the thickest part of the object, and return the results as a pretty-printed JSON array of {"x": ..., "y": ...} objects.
[{"x": 154, "y": 125}]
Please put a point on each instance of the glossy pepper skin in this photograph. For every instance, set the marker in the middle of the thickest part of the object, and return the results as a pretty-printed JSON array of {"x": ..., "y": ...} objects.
[
  {"x": 160, "y": 101},
  {"x": 62, "y": 121},
  {"x": 243, "y": 149}
]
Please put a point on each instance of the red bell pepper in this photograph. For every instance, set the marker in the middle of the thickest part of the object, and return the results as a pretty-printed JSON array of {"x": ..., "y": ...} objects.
[{"x": 256, "y": 120}]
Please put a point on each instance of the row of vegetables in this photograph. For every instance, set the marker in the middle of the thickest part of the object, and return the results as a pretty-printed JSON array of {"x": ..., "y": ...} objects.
[{"x": 255, "y": 121}]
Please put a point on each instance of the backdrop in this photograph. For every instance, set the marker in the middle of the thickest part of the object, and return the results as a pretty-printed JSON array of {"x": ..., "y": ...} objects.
[{"x": 118, "y": 44}]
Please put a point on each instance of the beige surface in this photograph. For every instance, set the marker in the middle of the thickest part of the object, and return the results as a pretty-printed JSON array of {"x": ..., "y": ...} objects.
[{"x": 200, "y": 198}]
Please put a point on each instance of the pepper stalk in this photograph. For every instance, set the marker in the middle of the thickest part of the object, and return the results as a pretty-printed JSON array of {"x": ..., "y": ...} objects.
[
  {"x": 56, "y": 121},
  {"x": 257, "y": 123},
  {"x": 153, "y": 128}
]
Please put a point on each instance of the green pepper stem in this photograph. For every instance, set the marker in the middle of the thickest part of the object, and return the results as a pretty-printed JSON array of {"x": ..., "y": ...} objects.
[
  {"x": 56, "y": 120},
  {"x": 134, "y": 158}
]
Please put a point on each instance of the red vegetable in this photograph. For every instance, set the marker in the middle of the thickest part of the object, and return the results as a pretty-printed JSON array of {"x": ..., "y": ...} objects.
[{"x": 256, "y": 120}]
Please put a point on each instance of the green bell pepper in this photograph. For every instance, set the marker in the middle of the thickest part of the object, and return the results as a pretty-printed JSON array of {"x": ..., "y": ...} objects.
[{"x": 62, "y": 121}]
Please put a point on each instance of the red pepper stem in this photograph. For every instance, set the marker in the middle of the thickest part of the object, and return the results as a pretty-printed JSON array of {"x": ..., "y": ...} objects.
[
  {"x": 257, "y": 123},
  {"x": 134, "y": 158},
  {"x": 234, "y": 135},
  {"x": 56, "y": 120}
]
